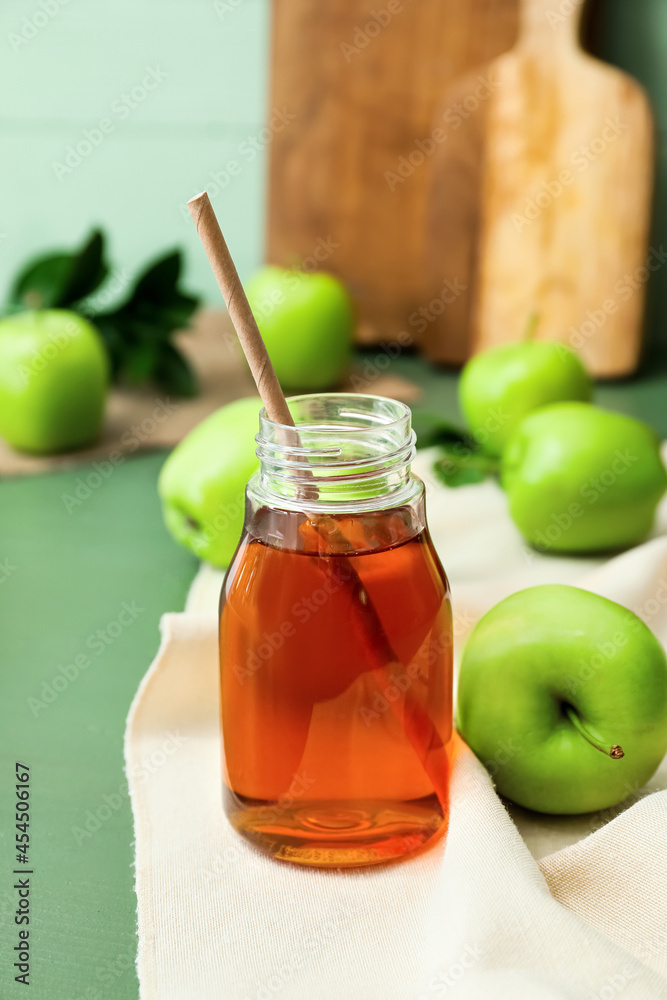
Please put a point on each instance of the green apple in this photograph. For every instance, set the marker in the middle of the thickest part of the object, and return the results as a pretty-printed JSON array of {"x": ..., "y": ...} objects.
[
  {"x": 582, "y": 479},
  {"x": 307, "y": 323},
  {"x": 54, "y": 375},
  {"x": 563, "y": 696},
  {"x": 202, "y": 483},
  {"x": 499, "y": 386}
]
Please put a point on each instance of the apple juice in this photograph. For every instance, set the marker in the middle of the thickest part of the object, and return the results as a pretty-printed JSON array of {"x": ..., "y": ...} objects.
[{"x": 336, "y": 679}]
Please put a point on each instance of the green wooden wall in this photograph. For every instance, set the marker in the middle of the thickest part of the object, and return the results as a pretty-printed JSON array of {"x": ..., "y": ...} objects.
[
  {"x": 67, "y": 65},
  {"x": 633, "y": 35}
]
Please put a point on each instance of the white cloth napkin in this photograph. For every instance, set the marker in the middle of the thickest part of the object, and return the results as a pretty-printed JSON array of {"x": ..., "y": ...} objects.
[{"x": 475, "y": 918}]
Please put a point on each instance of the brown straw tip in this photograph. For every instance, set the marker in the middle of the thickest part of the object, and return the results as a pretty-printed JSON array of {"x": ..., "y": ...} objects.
[
  {"x": 239, "y": 309},
  {"x": 197, "y": 205}
]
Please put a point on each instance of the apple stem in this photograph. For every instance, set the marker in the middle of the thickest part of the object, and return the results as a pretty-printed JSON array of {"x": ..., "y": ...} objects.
[
  {"x": 611, "y": 750},
  {"x": 531, "y": 327}
]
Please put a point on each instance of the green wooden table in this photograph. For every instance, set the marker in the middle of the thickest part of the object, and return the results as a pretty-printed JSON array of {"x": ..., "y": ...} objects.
[{"x": 88, "y": 586}]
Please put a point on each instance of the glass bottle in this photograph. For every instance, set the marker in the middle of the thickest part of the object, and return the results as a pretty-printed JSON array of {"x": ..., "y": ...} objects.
[{"x": 336, "y": 643}]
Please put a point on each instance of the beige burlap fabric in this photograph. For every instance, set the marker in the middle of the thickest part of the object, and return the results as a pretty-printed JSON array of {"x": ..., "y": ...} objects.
[
  {"x": 485, "y": 916},
  {"x": 143, "y": 419}
]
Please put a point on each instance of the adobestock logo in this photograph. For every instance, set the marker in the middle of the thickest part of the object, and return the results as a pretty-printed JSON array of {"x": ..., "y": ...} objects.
[
  {"x": 614, "y": 985},
  {"x": 130, "y": 440},
  {"x": 605, "y": 651},
  {"x": 226, "y": 514},
  {"x": 655, "y": 946},
  {"x": 652, "y": 606},
  {"x": 323, "y": 249},
  {"x": 302, "y": 611},
  {"x": 6, "y": 569},
  {"x": 97, "y": 642},
  {"x": 40, "y": 359},
  {"x": 117, "y": 282},
  {"x": 317, "y": 942},
  {"x": 230, "y": 858},
  {"x": 113, "y": 801},
  {"x": 496, "y": 419},
  {"x": 453, "y": 118},
  {"x": 265, "y": 650},
  {"x": 420, "y": 318},
  {"x": 564, "y": 10},
  {"x": 634, "y": 793},
  {"x": 581, "y": 159},
  {"x": 507, "y": 750},
  {"x": 590, "y": 491},
  {"x": 246, "y": 152},
  {"x": 298, "y": 785},
  {"x": 224, "y": 7},
  {"x": 448, "y": 979},
  {"x": 624, "y": 288},
  {"x": 417, "y": 671},
  {"x": 389, "y": 693},
  {"x": 108, "y": 973},
  {"x": 121, "y": 109},
  {"x": 31, "y": 26},
  {"x": 373, "y": 368},
  {"x": 364, "y": 34}
]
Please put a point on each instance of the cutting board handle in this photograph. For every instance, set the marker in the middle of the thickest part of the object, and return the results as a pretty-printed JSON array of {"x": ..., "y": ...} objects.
[{"x": 550, "y": 25}]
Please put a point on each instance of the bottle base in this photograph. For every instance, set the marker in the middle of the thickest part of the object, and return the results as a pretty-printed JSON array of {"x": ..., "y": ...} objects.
[{"x": 337, "y": 834}]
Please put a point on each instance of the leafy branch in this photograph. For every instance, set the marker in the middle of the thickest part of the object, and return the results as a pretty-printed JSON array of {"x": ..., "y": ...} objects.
[
  {"x": 60, "y": 281},
  {"x": 462, "y": 460},
  {"x": 138, "y": 334}
]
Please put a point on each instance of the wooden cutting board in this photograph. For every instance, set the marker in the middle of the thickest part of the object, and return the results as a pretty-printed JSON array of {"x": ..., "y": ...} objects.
[
  {"x": 349, "y": 179},
  {"x": 454, "y": 216},
  {"x": 566, "y": 153}
]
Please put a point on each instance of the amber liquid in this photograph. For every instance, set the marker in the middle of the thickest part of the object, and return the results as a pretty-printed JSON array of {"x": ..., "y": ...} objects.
[{"x": 335, "y": 652}]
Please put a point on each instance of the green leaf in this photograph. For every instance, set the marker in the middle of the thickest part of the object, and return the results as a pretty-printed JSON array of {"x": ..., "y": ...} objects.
[
  {"x": 158, "y": 282},
  {"x": 432, "y": 429},
  {"x": 87, "y": 272},
  {"x": 162, "y": 320},
  {"x": 41, "y": 284},
  {"x": 453, "y": 475},
  {"x": 174, "y": 374},
  {"x": 138, "y": 334},
  {"x": 156, "y": 294},
  {"x": 139, "y": 363},
  {"x": 60, "y": 280},
  {"x": 113, "y": 341},
  {"x": 462, "y": 464}
]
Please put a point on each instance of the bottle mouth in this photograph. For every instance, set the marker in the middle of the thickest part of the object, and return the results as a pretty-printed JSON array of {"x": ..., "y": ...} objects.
[{"x": 344, "y": 446}]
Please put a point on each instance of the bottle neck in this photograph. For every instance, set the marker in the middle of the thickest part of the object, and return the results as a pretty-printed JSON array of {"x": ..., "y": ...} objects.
[{"x": 346, "y": 452}]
